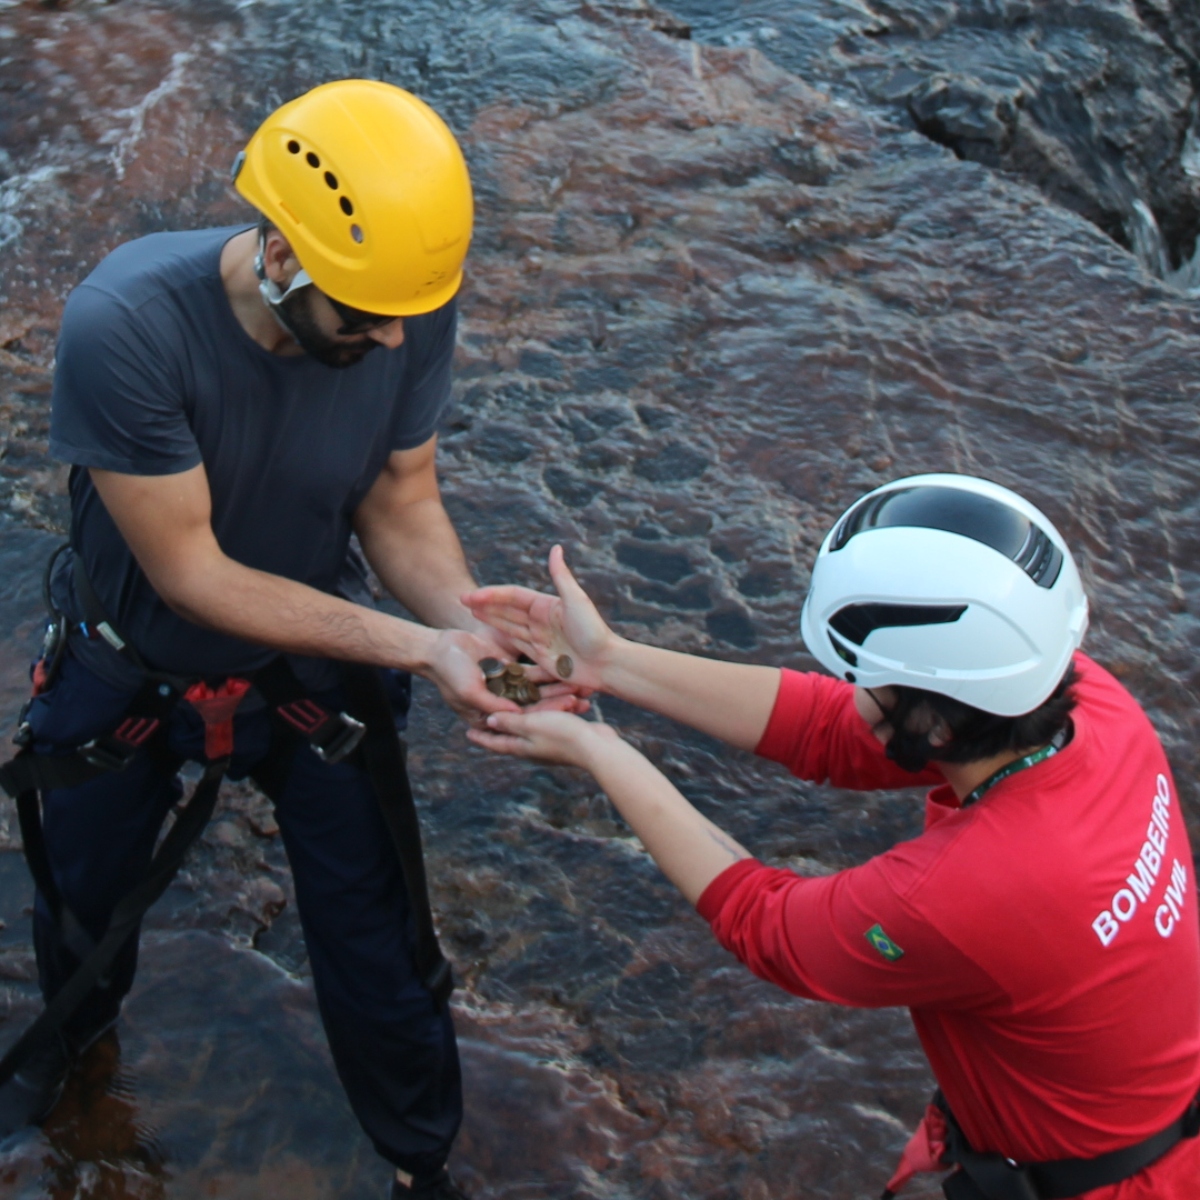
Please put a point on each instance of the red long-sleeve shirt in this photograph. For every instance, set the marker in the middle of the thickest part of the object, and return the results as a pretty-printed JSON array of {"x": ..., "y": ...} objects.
[{"x": 1045, "y": 939}]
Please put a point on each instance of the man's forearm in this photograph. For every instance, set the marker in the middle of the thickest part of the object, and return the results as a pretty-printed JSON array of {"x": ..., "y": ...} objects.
[
  {"x": 419, "y": 559},
  {"x": 291, "y": 617}
]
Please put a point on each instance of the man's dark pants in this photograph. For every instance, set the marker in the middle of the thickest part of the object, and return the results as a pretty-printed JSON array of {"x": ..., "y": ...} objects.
[{"x": 395, "y": 1053}]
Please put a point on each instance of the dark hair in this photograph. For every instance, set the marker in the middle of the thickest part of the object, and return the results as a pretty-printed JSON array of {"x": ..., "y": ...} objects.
[{"x": 974, "y": 734}]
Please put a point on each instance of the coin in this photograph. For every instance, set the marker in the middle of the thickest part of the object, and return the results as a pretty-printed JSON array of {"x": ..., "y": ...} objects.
[
  {"x": 510, "y": 681},
  {"x": 564, "y": 665}
]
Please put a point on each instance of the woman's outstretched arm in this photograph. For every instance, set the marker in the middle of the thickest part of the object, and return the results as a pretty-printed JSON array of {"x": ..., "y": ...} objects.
[{"x": 690, "y": 850}]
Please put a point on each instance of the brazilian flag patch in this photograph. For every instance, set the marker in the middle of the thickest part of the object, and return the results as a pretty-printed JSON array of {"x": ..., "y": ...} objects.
[{"x": 883, "y": 943}]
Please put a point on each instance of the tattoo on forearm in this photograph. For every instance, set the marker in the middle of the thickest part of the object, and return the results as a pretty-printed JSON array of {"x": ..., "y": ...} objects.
[{"x": 726, "y": 843}]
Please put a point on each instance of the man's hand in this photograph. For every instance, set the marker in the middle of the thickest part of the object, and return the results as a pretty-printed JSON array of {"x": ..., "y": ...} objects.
[
  {"x": 563, "y": 634},
  {"x": 454, "y": 668}
]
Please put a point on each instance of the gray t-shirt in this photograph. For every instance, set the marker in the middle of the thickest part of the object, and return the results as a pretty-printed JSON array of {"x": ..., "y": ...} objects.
[{"x": 155, "y": 375}]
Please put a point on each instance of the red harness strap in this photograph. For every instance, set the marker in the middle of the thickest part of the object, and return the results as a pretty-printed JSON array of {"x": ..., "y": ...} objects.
[
  {"x": 216, "y": 706},
  {"x": 924, "y": 1150}
]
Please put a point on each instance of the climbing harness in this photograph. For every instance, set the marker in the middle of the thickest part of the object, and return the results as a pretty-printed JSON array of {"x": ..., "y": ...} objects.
[
  {"x": 369, "y": 735},
  {"x": 995, "y": 1177}
]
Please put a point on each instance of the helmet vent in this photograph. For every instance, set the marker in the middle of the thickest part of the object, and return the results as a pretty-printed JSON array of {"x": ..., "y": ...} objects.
[
  {"x": 356, "y": 233},
  {"x": 842, "y": 651},
  {"x": 955, "y": 510},
  {"x": 331, "y": 180},
  {"x": 347, "y": 207},
  {"x": 1039, "y": 558},
  {"x": 856, "y": 622},
  {"x": 313, "y": 160},
  {"x": 293, "y": 147}
]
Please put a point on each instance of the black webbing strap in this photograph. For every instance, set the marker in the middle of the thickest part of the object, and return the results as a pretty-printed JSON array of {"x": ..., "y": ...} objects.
[
  {"x": 28, "y": 774},
  {"x": 74, "y": 935},
  {"x": 332, "y": 736},
  {"x": 123, "y": 924},
  {"x": 96, "y": 617},
  {"x": 384, "y": 755},
  {"x": 994, "y": 1177}
]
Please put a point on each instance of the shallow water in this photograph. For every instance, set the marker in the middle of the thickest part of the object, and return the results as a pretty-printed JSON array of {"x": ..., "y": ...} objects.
[{"x": 714, "y": 295}]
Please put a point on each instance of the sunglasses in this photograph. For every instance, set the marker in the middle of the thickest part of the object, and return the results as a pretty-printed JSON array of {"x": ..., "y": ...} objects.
[{"x": 355, "y": 320}]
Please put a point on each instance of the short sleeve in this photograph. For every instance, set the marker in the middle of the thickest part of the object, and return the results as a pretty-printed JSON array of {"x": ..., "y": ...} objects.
[
  {"x": 119, "y": 397},
  {"x": 815, "y": 731},
  {"x": 852, "y": 938},
  {"x": 430, "y": 341}
]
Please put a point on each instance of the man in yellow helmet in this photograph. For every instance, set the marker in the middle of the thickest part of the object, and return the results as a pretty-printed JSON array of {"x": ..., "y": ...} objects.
[{"x": 235, "y": 403}]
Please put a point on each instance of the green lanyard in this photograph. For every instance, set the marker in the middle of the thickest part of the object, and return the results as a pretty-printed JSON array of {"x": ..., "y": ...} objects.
[{"x": 1019, "y": 764}]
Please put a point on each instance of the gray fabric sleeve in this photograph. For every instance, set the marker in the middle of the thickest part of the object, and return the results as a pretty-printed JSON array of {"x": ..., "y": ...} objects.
[
  {"x": 428, "y": 381},
  {"x": 119, "y": 395}
]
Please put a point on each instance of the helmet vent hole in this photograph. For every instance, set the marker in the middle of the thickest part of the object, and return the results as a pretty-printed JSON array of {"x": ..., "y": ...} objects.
[
  {"x": 356, "y": 233},
  {"x": 347, "y": 207},
  {"x": 293, "y": 147},
  {"x": 331, "y": 180},
  {"x": 313, "y": 160}
]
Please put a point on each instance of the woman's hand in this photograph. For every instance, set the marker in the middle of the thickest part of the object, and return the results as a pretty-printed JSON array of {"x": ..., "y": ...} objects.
[
  {"x": 563, "y": 634},
  {"x": 550, "y": 737}
]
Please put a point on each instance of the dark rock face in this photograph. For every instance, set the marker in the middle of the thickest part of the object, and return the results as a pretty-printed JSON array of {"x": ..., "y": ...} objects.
[
  {"x": 711, "y": 300},
  {"x": 1093, "y": 103}
]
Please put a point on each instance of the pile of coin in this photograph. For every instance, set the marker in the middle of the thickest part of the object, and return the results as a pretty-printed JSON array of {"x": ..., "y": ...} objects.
[{"x": 509, "y": 681}]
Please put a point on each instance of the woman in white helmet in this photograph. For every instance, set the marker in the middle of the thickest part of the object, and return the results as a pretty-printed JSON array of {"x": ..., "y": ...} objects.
[{"x": 1047, "y": 907}]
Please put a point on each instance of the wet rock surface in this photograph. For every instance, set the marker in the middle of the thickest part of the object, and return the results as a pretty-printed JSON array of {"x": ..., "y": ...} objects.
[
  {"x": 1096, "y": 104},
  {"x": 711, "y": 300}
]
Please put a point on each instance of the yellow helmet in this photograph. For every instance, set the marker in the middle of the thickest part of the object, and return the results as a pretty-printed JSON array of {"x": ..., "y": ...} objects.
[{"x": 371, "y": 190}]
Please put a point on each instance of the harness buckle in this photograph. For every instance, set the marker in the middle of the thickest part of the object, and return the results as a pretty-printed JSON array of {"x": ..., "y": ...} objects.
[
  {"x": 332, "y": 736},
  {"x": 107, "y": 753},
  {"x": 114, "y": 751},
  {"x": 347, "y": 733}
]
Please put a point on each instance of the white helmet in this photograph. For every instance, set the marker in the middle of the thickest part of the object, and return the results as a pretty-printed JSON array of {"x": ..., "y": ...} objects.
[{"x": 950, "y": 584}]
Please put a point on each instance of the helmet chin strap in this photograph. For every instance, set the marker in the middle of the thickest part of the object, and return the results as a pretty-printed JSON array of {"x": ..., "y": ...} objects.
[{"x": 272, "y": 294}]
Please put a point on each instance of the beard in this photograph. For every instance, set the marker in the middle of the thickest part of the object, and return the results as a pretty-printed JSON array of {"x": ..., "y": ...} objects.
[
  {"x": 910, "y": 751},
  {"x": 297, "y": 318}
]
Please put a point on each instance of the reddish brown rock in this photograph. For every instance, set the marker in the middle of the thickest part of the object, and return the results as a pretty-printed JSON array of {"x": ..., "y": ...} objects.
[{"x": 707, "y": 306}]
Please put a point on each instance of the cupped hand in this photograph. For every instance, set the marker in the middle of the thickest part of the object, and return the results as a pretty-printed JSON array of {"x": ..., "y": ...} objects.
[
  {"x": 558, "y": 738},
  {"x": 454, "y": 669},
  {"x": 564, "y": 634}
]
